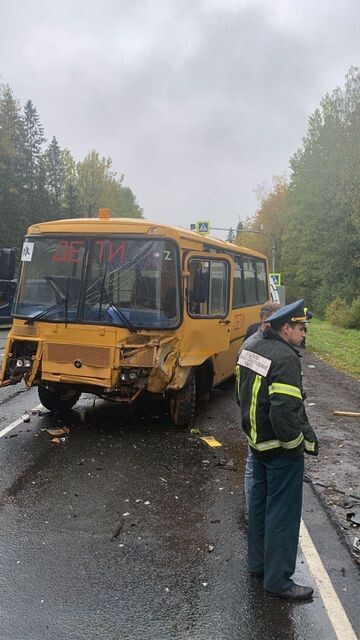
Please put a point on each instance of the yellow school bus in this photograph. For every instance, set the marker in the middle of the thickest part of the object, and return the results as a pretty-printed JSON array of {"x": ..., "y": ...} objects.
[{"x": 119, "y": 307}]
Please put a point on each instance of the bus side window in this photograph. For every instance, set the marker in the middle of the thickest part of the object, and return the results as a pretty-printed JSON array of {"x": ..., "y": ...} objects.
[
  {"x": 261, "y": 282},
  {"x": 250, "y": 281},
  {"x": 238, "y": 285}
]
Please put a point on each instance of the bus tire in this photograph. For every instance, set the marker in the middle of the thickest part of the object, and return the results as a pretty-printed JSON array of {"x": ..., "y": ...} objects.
[
  {"x": 182, "y": 403},
  {"x": 57, "y": 397}
]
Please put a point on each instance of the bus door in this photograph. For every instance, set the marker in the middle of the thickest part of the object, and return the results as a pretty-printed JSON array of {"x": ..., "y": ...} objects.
[{"x": 207, "y": 296}]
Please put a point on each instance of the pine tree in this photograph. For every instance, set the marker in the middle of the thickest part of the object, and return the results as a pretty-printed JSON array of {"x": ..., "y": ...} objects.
[
  {"x": 12, "y": 163},
  {"x": 55, "y": 177},
  {"x": 34, "y": 139}
]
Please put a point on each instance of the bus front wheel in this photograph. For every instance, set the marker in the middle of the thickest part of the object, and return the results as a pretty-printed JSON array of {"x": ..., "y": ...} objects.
[
  {"x": 182, "y": 403},
  {"x": 56, "y": 397}
]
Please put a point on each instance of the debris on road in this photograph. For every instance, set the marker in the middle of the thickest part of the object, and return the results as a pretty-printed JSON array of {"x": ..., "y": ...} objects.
[
  {"x": 348, "y": 414},
  {"x": 117, "y": 530},
  {"x": 58, "y": 432},
  {"x": 211, "y": 441},
  {"x": 356, "y": 549},
  {"x": 354, "y": 517},
  {"x": 226, "y": 464},
  {"x": 26, "y": 417}
]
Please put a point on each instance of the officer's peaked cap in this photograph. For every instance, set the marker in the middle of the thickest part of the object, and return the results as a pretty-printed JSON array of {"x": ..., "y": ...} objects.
[{"x": 294, "y": 312}]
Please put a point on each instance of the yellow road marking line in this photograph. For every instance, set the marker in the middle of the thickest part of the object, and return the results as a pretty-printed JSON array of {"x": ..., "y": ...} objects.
[
  {"x": 335, "y": 611},
  {"x": 16, "y": 423},
  {"x": 211, "y": 441}
]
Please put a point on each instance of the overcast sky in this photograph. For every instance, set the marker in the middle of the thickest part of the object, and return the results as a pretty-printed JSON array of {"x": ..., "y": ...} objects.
[{"x": 196, "y": 101}]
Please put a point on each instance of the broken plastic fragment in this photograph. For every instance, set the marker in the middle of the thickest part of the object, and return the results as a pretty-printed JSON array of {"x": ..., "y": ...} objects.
[{"x": 211, "y": 441}]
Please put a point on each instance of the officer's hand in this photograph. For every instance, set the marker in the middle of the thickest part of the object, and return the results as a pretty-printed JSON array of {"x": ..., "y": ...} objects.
[{"x": 311, "y": 447}]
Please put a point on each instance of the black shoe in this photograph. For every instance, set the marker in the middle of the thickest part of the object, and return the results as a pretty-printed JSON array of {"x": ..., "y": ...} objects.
[{"x": 296, "y": 593}]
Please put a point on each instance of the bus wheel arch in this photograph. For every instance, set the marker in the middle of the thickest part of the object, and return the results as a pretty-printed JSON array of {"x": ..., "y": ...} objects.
[
  {"x": 57, "y": 397},
  {"x": 182, "y": 402}
]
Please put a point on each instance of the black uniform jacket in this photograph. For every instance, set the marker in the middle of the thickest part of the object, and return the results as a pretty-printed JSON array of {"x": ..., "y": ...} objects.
[{"x": 271, "y": 398}]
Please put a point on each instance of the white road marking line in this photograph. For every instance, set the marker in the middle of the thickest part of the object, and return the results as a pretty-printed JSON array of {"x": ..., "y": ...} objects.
[
  {"x": 16, "y": 423},
  {"x": 335, "y": 611}
]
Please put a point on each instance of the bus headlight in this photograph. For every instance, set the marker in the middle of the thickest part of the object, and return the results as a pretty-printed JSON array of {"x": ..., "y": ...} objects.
[{"x": 23, "y": 363}]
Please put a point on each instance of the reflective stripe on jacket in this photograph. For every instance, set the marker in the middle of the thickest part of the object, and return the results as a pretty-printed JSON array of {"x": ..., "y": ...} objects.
[{"x": 269, "y": 392}]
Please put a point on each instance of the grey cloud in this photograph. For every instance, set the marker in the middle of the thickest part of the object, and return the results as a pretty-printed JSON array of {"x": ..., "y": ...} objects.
[{"x": 196, "y": 102}]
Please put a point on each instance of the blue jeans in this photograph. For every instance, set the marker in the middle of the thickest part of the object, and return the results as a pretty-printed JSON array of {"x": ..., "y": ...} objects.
[{"x": 274, "y": 519}]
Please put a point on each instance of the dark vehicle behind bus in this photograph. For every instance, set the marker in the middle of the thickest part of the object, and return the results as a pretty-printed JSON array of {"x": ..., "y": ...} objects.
[{"x": 7, "y": 284}]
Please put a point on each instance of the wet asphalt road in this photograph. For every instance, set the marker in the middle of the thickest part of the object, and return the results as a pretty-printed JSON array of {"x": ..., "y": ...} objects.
[{"x": 134, "y": 529}]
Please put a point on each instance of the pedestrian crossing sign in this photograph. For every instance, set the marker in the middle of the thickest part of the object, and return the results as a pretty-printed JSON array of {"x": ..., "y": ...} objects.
[
  {"x": 276, "y": 279},
  {"x": 203, "y": 226}
]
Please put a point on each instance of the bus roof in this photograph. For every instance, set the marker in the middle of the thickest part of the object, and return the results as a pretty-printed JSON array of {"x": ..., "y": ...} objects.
[{"x": 141, "y": 226}]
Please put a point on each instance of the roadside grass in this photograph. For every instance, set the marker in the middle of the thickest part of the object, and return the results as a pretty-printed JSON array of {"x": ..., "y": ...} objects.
[{"x": 336, "y": 346}]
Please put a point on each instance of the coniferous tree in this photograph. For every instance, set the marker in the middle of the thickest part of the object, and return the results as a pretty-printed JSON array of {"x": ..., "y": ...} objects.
[
  {"x": 12, "y": 162},
  {"x": 55, "y": 177},
  {"x": 33, "y": 177}
]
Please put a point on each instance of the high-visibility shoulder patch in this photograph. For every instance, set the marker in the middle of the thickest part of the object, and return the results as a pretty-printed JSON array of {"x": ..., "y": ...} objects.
[{"x": 253, "y": 361}]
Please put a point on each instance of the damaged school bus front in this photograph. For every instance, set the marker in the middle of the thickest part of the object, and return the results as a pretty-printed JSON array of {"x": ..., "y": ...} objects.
[
  {"x": 95, "y": 312},
  {"x": 112, "y": 368}
]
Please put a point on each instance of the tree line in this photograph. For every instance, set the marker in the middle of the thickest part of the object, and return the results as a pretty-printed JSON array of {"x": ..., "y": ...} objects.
[
  {"x": 40, "y": 181},
  {"x": 314, "y": 214}
]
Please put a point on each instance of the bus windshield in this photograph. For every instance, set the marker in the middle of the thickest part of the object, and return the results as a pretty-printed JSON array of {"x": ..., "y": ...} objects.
[{"x": 126, "y": 282}]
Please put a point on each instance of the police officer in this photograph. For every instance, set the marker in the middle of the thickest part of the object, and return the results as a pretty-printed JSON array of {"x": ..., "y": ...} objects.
[
  {"x": 273, "y": 417},
  {"x": 251, "y": 336}
]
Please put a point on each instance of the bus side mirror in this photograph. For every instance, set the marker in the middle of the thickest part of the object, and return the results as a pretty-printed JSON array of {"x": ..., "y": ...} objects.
[{"x": 7, "y": 264}]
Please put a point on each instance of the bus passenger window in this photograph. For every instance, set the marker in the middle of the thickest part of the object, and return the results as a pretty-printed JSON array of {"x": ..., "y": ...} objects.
[
  {"x": 238, "y": 290},
  {"x": 250, "y": 281},
  {"x": 261, "y": 282}
]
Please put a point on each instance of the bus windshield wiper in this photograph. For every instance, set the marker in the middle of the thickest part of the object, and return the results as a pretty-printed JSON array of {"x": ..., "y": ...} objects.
[
  {"x": 129, "y": 325},
  {"x": 44, "y": 312},
  {"x": 62, "y": 302},
  {"x": 119, "y": 312}
]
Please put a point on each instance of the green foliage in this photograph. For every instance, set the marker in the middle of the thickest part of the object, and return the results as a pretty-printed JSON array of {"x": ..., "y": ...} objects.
[
  {"x": 335, "y": 312},
  {"x": 338, "y": 346},
  {"x": 315, "y": 217},
  {"x": 354, "y": 314},
  {"x": 343, "y": 315},
  {"x": 38, "y": 184}
]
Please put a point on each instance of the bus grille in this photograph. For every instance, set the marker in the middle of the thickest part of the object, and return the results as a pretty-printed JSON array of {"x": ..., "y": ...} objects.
[{"x": 67, "y": 353}]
